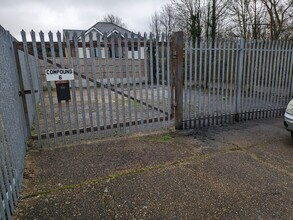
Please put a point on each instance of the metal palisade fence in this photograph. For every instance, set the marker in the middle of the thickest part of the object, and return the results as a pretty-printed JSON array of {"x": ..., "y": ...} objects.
[
  {"x": 121, "y": 84},
  {"x": 13, "y": 124},
  {"x": 124, "y": 84},
  {"x": 9, "y": 177},
  {"x": 234, "y": 80}
]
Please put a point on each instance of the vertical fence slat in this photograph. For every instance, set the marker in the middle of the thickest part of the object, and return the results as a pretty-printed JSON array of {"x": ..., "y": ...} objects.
[
  {"x": 247, "y": 88},
  {"x": 276, "y": 76},
  {"x": 186, "y": 112},
  {"x": 279, "y": 77},
  {"x": 53, "y": 54},
  {"x": 146, "y": 79},
  {"x": 196, "y": 49},
  {"x": 266, "y": 82},
  {"x": 94, "y": 72},
  {"x": 256, "y": 73},
  {"x": 283, "y": 74},
  {"x": 263, "y": 78},
  {"x": 85, "y": 60},
  {"x": 214, "y": 58},
  {"x": 108, "y": 83},
  {"x": 163, "y": 79},
  {"x": 200, "y": 84},
  {"x": 259, "y": 70},
  {"x": 286, "y": 77},
  {"x": 290, "y": 67},
  {"x": 128, "y": 81},
  {"x": 140, "y": 80},
  {"x": 40, "y": 85},
  {"x": 68, "y": 112},
  {"x": 209, "y": 84},
  {"x": 219, "y": 83},
  {"x": 152, "y": 80},
  {"x": 244, "y": 76},
  {"x": 122, "y": 83},
  {"x": 253, "y": 49},
  {"x": 53, "y": 122},
  {"x": 228, "y": 70},
  {"x": 223, "y": 81},
  {"x": 133, "y": 80},
  {"x": 168, "y": 81},
  {"x": 158, "y": 80},
  {"x": 98, "y": 36},
  {"x": 115, "y": 85},
  {"x": 205, "y": 63},
  {"x": 270, "y": 93},
  {"x": 75, "y": 40},
  {"x": 73, "y": 87},
  {"x": 234, "y": 91},
  {"x": 190, "y": 115}
]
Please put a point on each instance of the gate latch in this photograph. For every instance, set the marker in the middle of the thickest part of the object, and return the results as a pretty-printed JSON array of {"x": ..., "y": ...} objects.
[{"x": 25, "y": 92}]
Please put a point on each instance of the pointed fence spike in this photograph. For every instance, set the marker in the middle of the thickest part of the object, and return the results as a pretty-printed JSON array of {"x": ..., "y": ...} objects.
[{"x": 58, "y": 35}]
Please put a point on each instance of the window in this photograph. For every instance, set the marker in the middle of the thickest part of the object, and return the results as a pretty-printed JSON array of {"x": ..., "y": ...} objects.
[{"x": 135, "y": 48}]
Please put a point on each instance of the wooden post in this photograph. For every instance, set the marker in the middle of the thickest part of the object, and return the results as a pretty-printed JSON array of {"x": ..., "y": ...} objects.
[{"x": 177, "y": 72}]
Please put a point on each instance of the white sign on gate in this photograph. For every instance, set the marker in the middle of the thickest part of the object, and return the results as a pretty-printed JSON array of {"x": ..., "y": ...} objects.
[{"x": 59, "y": 74}]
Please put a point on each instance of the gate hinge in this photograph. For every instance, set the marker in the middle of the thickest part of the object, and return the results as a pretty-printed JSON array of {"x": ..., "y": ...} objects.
[{"x": 25, "y": 92}]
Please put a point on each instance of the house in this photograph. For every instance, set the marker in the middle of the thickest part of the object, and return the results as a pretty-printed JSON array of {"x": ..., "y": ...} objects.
[{"x": 109, "y": 29}]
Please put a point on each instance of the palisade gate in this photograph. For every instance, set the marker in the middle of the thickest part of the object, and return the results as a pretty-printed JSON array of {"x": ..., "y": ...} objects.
[{"x": 85, "y": 90}]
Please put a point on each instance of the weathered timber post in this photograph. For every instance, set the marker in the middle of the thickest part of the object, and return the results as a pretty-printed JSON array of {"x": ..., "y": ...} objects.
[{"x": 177, "y": 75}]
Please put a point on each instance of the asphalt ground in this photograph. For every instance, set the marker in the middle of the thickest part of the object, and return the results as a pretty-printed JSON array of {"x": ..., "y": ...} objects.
[{"x": 238, "y": 171}]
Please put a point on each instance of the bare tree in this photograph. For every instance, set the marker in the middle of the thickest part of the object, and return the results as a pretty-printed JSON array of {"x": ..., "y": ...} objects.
[
  {"x": 168, "y": 19},
  {"x": 247, "y": 18},
  {"x": 214, "y": 13},
  {"x": 279, "y": 17},
  {"x": 155, "y": 24},
  {"x": 189, "y": 16},
  {"x": 114, "y": 19}
]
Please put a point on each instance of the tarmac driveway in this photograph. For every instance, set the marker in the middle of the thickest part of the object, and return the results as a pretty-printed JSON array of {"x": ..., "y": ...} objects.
[{"x": 240, "y": 171}]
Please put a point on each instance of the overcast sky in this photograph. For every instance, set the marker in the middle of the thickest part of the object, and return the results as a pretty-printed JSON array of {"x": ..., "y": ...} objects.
[{"x": 55, "y": 15}]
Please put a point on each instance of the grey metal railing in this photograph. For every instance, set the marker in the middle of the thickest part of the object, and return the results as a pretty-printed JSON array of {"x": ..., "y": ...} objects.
[
  {"x": 14, "y": 122},
  {"x": 226, "y": 80}
]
